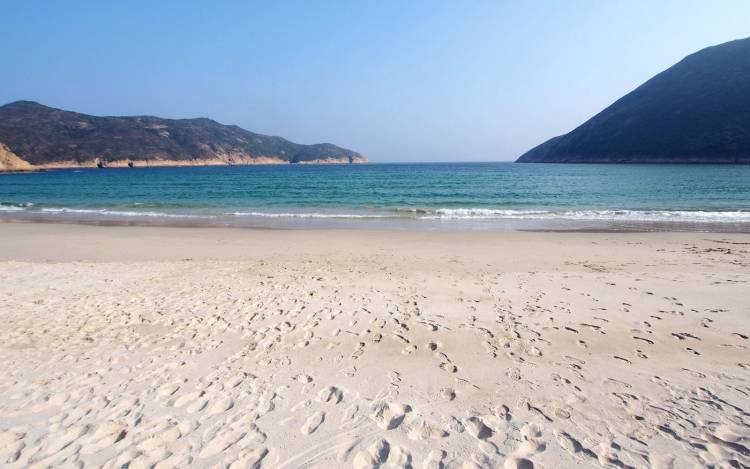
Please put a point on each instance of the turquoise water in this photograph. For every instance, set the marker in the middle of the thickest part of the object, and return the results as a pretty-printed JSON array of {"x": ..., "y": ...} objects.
[{"x": 452, "y": 192}]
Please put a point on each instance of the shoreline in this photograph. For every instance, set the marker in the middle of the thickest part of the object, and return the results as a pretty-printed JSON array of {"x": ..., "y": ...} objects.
[
  {"x": 27, "y": 241},
  {"x": 380, "y": 224},
  {"x": 147, "y": 164}
]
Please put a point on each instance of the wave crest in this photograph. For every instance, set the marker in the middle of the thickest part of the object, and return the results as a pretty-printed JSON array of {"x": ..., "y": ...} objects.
[
  {"x": 737, "y": 216},
  {"x": 447, "y": 214}
]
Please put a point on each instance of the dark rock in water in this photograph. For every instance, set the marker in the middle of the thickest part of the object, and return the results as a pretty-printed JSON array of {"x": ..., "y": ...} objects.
[
  {"x": 40, "y": 136},
  {"x": 697, "y": 111}
]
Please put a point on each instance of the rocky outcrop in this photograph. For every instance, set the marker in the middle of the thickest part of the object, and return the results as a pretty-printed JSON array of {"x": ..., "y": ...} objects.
[{"x": 9, "y": 161}]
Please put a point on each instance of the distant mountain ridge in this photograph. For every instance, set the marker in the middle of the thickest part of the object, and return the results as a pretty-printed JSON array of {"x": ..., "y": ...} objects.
[
  {"x": 34, "y": 136},
  {"x": 697, "y": 111}
]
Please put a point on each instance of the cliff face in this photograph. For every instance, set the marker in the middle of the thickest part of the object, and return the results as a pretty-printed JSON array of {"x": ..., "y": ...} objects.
[
  {"x": 38, "y": 136},
  {"x": 9, "y": 161},
  {"x": 697, "y": 111}
]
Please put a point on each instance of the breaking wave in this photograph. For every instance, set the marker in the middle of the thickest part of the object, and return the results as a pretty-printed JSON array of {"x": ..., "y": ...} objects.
[
  {"x": 310, "y": 215},
  {"x": 738, "y": 216},
  {"x": 446, "y": 214}
]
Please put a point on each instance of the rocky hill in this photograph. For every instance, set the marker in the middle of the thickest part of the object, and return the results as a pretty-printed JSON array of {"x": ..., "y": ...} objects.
[
  {"x": 697, "y": 111},
  {"x": 34, "y": 136}
]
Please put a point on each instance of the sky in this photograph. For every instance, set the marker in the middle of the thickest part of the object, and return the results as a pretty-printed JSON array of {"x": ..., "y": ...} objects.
[{"x": 394, "y": 80}]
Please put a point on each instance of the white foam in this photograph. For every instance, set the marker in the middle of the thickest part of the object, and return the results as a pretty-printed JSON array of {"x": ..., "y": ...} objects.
[
  {"x": 738, "y": 216},
  {"x": 122, "y": 213},
  {"x": 307, "y": 215},
  {"x": 11, "y": 208},
  {"x": 688, "y": 216}
]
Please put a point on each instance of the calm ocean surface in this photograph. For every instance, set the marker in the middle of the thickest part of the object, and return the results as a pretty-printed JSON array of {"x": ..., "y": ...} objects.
[{"x": 474, "y": 195}]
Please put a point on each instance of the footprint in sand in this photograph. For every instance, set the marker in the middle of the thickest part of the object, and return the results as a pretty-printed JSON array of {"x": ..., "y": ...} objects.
[
  {"x": 409, "y": 349},
  {"x": 518, "y": 463},
  {"x": 249, "y": 459},
  {"x": 312, "y": 423},
  {"x": 11, "y": 445},
  {"x": 435, "y": 460},
  {"x": 68, "y": 437},
  {"x": 197, "y": 405},
  {"x": 350, "y": 412},
  {"x": 448, "y": 394},
  {"x": 185, "y": 399},
  {"x": 221, "y": 442},
  {"x": 561, "y": 413},
  {"x": 421, "y": 430},
  {"x": 220, "y": 405},
  {"x": 502, "y": 412},
  {"x": 389, "y": 416},
  {"x": 358, "y": 350},
  {"x": 168, "y": 389},
  {"x": 105, "y": 435},
  {"x": 164, "y": 433},
  {"x": 476, "y": 427},
  {"x": 532, "y": 436},
  {"x": 330, "y": 394},
  {"x": 449, "y": 367},
  {"x": 374, "y": 456},
  {"x": 535, "y": 352},
  {"x": 567, "y": 442},
  {"x": 399, "y": 457},
  {"x": 236, "y": 380}
]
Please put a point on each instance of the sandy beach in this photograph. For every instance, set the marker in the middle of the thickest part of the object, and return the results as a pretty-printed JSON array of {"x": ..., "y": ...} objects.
[{"x": 211, "y": 347}]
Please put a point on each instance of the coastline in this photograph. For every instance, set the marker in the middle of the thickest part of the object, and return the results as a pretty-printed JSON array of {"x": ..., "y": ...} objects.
[
  {"x": 287, "y": 348},
  {"x": 25, "y": 167},
  {"x": 386, "y": 223}
]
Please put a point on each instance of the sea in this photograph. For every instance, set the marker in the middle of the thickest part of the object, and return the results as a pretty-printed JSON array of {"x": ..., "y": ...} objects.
[{"x": 429, "y": 196}]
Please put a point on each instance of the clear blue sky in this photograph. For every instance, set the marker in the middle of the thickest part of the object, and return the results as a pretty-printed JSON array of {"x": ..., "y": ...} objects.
[{"x": 394, "y": 80}]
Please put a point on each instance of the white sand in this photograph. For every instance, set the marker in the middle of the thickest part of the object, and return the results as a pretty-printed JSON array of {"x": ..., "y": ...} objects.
[{"x": 175, "y": 347}]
